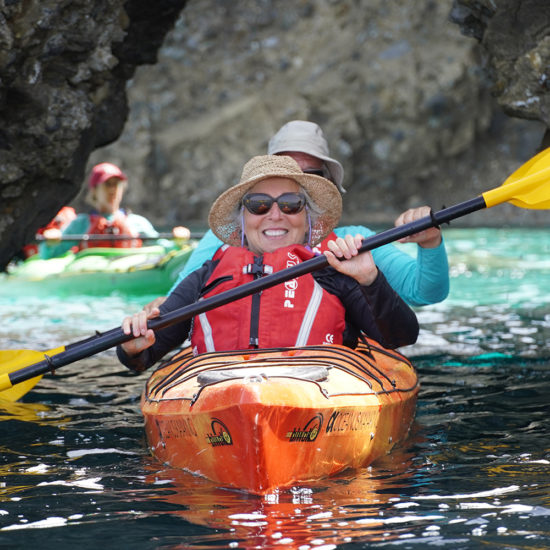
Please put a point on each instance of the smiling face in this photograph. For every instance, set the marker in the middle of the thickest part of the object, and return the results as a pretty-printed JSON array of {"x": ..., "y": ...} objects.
[{"x": 273, "y": 230}]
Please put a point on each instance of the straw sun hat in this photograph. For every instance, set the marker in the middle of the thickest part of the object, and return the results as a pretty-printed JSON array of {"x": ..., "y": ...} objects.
[{"x": 224, "y": 218}]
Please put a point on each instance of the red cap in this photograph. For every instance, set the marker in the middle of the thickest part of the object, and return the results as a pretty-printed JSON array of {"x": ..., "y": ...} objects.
[{"x": 104, "y": 171}]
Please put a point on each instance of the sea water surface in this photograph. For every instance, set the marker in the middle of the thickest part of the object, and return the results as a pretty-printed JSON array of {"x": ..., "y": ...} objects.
[{"x": 474, "y": 473}]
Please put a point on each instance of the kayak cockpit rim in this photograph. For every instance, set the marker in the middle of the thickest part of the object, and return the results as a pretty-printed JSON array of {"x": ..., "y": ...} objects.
[{"x": 223, "y": 366}]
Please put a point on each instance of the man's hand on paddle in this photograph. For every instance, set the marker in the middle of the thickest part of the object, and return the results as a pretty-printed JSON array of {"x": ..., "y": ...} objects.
[{"x": 429, "y": 238}]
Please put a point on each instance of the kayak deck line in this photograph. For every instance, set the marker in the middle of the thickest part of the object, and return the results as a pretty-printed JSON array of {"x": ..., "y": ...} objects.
[{"x": 186, "y": 370}]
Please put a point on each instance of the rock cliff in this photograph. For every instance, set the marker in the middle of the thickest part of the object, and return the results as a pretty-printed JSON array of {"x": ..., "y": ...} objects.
[
  {"x": 64, "y": 66},
  {"x": 424, "y": 102}
]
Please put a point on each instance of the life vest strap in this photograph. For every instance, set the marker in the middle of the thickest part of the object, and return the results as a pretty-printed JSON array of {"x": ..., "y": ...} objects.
[{"x": 255, "y": 269}]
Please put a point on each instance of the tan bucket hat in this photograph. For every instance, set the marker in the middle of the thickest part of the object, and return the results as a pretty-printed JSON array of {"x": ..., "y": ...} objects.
[
  {"x": 224, "y": 219},
  {"x": 306, "y": 137}
]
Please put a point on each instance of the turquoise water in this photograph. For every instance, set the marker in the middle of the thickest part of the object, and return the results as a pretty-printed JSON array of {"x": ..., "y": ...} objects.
[{"x": 474, "y": 473}]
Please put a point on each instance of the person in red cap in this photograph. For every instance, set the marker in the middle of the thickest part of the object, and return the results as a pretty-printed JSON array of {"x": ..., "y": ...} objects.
[{"x": 106, "y": 186}]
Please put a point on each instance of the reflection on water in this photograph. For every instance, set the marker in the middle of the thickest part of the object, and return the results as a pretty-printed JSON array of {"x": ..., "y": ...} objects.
[
  {"x": 325, "y": 512},
  {"x": 75, "y": 472}
]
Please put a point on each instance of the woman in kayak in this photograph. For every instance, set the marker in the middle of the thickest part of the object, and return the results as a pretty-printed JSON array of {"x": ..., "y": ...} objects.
[
  {"x": 269, "y": 221},
  {"x": 106, "y": 187}
]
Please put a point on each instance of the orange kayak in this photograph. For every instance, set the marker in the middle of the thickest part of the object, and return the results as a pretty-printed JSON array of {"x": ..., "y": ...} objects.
[{"x": 260, "y": 420}]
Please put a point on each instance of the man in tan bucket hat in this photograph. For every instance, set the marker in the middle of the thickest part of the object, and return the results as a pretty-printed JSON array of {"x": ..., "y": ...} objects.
[
  {"x": 307, "y": 138},
  {"x": 419, "y": 281}
]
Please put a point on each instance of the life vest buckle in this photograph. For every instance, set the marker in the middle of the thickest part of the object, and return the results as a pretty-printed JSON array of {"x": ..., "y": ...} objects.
[{"x": 255, "y": 269}]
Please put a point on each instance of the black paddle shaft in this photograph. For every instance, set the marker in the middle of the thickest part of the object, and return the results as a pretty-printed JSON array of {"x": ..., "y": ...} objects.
[{"x": 104, "y": 341}]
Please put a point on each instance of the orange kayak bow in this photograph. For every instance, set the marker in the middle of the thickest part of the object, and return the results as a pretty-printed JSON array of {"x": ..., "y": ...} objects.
[{"x": 261, "y": 420}]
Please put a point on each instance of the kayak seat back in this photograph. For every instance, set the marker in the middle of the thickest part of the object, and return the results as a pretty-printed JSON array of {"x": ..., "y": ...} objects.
[{"x": 314, "y": 374}]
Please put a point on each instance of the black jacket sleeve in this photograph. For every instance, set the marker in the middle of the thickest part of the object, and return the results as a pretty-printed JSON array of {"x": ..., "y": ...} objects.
[{"x": 376, "y": 310}]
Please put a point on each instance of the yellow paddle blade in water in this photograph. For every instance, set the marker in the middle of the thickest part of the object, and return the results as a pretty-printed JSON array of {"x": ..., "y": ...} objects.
[
  {"x": 12, "y": 360},
  {"x": 527, "y": 187}
]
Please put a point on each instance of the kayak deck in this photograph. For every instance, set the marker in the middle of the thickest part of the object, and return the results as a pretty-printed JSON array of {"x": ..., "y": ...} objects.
[{"x": 260, "y": 420}]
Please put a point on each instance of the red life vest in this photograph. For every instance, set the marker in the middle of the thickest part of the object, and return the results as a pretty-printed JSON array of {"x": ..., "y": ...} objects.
[
  {"x": 99, "y": 225},
  {"x": 296, "y": 313}
]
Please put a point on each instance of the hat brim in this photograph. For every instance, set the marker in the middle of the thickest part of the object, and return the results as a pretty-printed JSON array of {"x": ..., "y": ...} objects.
[
  {"x": 107, "y": 177},
  {"x": 223, "y": 214}
]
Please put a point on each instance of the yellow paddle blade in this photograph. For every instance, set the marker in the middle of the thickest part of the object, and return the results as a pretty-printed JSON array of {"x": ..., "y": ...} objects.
[
  {"x": 12, "y": 360},
  {"x": 527, "y": 187}
]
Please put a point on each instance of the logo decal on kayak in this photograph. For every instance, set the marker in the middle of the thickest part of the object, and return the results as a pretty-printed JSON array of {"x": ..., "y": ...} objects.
[
  {"x": 176, "y": 427},
  {"x": 309, "y": 432},
  {"x": 220, "y": 434},
  {"x": 350, "y": 421}
]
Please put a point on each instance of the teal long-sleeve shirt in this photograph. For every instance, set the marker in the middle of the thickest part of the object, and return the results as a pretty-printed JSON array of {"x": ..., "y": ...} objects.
[
  {"x": 419, "y": 281},
  {"x": 80, "y": 226}
]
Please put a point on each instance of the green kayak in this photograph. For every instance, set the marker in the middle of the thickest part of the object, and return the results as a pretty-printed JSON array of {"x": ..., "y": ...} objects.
[{"x": 99, "y": 271}]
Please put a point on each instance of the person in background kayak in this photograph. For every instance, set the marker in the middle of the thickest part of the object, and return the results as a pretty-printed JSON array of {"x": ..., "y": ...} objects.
[
  {"x": 270, "y": 220},
  {"x": 106, "y": 186},
  {"x": 419, "y": 281}
]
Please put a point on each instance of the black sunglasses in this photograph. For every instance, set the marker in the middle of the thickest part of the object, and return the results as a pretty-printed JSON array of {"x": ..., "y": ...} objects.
[
  {"x": 314, "y": 171},
  {"x": 261, "y": 203}
]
